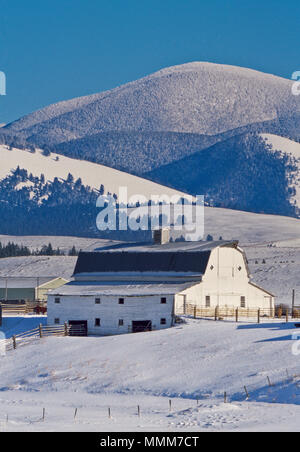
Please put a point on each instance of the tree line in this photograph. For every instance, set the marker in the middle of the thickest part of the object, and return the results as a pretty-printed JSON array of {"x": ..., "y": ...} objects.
[{"x": 14, "y": 250}]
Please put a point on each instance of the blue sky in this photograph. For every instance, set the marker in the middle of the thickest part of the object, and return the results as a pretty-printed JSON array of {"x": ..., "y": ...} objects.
[{"x": 56, "y": 50}]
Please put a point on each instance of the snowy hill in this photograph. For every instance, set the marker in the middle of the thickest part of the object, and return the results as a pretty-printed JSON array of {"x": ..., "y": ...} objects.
[
  {"x": 243, "y": 172},
  {"x": 197, "y": 361},
  {"x": 91, "y": 174},
  {"x": 291, "y": 148},
  {"x": 44, "y": 193}
]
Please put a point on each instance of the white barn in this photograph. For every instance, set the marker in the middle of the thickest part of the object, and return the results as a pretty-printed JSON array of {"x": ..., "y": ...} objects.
[{"x": 137, "y": 287}]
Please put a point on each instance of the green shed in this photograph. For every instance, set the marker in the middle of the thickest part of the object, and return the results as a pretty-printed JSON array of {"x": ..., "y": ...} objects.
[{"x": 28, "y": 288}]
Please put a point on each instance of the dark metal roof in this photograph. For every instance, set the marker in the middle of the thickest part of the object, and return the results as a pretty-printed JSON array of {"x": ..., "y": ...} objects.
[
  {"x": 142, "y": 262},
  {"x": 185, "y": 257}
]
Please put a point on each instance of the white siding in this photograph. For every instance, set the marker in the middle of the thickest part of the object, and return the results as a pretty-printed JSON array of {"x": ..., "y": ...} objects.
[
  {"x": 110, "y": 312},
  {"x": 226, "y": 280}
]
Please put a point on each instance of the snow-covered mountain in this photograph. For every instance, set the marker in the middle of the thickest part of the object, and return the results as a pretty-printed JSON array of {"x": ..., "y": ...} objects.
[
  {"x": 246, "y": 172},
  {"x": 194, "y": 127},
  {"x": 202, "y": 98}
]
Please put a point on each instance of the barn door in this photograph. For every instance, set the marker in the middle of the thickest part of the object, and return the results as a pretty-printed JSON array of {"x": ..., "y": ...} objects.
[
  {"x": 78, "y": 328},
  {"x": 141, "y": 326}
]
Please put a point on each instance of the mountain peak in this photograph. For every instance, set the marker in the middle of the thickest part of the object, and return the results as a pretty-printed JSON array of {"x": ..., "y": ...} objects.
[{"x": 198, "y": 97}]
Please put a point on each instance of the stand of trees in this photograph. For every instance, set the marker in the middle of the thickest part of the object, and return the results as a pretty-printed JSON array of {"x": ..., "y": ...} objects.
[{"x": 15, "y": 250}]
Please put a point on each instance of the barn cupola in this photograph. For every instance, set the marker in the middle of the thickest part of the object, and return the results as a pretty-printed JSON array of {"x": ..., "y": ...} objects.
[{"x": 161, "y": 236}]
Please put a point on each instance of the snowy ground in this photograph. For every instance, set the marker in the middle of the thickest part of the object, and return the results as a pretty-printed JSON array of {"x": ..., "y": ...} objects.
[{"x": 196, "y": 361}]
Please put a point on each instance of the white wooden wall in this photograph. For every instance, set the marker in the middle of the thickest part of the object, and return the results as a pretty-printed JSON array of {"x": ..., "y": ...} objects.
[
  {"x": 110, "y": 311},
  {"x": 226, "y": 280}
]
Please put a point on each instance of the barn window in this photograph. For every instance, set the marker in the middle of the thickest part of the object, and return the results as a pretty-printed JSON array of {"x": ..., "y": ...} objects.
[
  {"x": 207, "y": 301},
  {"x": 163, "y": 321},
  {"x": 57, "y": 300},
  {"x": 97, "y": 300},
  {"x": 163, "y": 301},
  {"x": 56, "y": 321},
  {"x": 121, "y": 301},
  {"x": 97, "y": 322},
  {"x": 121, "y": 322},
  {"x": 243, "y": 302}
]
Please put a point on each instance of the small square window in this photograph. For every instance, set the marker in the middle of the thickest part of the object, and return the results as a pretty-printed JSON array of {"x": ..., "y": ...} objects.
[
  {"x": 207, "y": 301},
  {"x": 121, "y": 322},
  {"x": 97, "y": 322},
  {"x": 243, "y": 302},
  {"x": 121, "y": 301},
  {"x": 163, "y": 321},
  {"x": 97, "y": 300},
  {"x": 56, "y": 321},
  {"x": 163, "y": 301},
  {"x": 57, "y": 300}
]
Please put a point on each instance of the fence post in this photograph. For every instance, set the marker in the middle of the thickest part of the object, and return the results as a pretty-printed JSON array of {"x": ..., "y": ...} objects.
[
  {"x": 293, "y": 302},
  {"x": 287, "y": 315},
  {"x": 237, "y": 315},
  {"x": 258, "y": 316},
  {"x": 14, "y": 342},
  {"x": 41, "y": 330},
  {"x": 66, "y": 329},
  {"x": 216, "y": 313},
  {"x": 195, "y": 312}
]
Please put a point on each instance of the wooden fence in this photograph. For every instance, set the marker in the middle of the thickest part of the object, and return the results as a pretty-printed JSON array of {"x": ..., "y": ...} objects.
[
  {"x": 14, "y": 309},
  {"x": 28, "y": 337},
  {"x": 223, "y": 312}
]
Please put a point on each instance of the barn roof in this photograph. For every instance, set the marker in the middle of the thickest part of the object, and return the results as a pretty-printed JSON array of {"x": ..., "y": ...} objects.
[
  {"x": 184, "y": 257},
  {"x": 119, "y": 289}
]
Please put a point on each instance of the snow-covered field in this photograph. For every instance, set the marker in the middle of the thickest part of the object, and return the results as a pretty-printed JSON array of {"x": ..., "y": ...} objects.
[
  {"x": 250, "y": 227},
  {"x": 192, "y": 364},
  {"x": 197, "y": 361}
]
